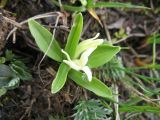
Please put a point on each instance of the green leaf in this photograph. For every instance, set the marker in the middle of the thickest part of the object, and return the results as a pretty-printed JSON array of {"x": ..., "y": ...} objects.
[
  {"x": 74, "y": 35},
  {"x": 8, "y": 79},
  {"x": 5, "y": 71},
  {"x": 102, "y": 55},
  {"x": 43, "y": 39},
  {"x": 60, "y": 79},
  {"x": 2, "y": 91},
  {"x": 21, "y": 70},
  {"x": 9, "y": 55},
  {"x": 69, "y": 7},
  {"x": 153, "y": 37},
  {"x": 5, "y": 75},
  {"x": 114, "y": 5},
  {"x": 145, "y": 108},
  {"x": 2, "y": 60},
  {"x": 95, "y": 85},
  {"x": 89, "y": 2},
  {"x": 13, "y": 83}
]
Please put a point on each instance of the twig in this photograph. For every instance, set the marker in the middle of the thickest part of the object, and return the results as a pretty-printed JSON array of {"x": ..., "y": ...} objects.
[
  {"x": 116, "y": 98},
  {"x": 107, "y": 31},
  {"x": 86, "y": 26},
  {"x": 129, "y": 36},
  {"x": 12, "y": 22},
  {"x": 57, "y": 20},
  {"x": 154, "y": 51},
  {"x": 61, "y": 27},
  {"x": 28, "y": 109},
  {"x": 45, "y": 15}
]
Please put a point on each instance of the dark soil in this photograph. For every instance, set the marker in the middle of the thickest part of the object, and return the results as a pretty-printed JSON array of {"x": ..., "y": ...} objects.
[{"x": 33, "y": 99}]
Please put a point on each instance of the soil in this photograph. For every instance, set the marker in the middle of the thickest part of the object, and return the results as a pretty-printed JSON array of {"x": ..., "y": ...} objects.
[{"x": 32, "y": 100}]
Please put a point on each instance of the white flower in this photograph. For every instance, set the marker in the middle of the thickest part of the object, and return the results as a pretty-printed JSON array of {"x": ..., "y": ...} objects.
[{"x": 84, "y": 50}]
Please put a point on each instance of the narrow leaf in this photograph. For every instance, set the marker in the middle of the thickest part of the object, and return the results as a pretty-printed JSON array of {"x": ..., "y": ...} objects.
[
  {"x": 43, "y": 38},
  {"x": 61, "y": 77},
  {"x": 114, "y": 5},
  {"x": 143, "y": 77},
  {"x": 74, "y": 35},
  {"x": 102, "y": 55},
  {"x": 89, "y": 2},
  {"x": 94, "y": 15},
  {"x": 145, "y": 108},
  {"x": 155, "y": 37},
  {"x": 95, "y": 85}
]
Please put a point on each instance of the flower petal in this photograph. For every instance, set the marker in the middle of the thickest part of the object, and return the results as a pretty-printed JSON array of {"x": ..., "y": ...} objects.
[
  {"x": 67, "y": 55},
  {"x": 72, "y": 65},
  {"x": 84, "y": 57},
  {"x": 92, "y": 42},
  {"x": 88, "y": 72}
]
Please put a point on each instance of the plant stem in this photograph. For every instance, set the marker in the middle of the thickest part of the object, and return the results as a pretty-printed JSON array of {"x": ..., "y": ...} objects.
[
  {"x": 154, "y": 51},
  {"x": 116, "y": 106}
]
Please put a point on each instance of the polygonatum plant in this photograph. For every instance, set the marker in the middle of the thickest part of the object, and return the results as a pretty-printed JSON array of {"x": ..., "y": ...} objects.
[{"x": 76, "y": 59}]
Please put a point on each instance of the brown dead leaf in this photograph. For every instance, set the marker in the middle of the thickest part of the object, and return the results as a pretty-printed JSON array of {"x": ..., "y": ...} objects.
[{"x": 94, "y": 15}]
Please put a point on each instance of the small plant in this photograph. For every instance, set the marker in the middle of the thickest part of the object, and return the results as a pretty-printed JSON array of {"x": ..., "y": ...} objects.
[
  {"x": 91, "y": 110},
  {"x": 111, "y": 69},
  {"x": 76, "y": 59},
  {"x": 11, "y": 72},
  {"x": 120, "y": 34}
]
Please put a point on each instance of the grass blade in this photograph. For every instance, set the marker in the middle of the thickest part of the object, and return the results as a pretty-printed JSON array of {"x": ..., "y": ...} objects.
[
  {"x": 114, "y": 5},
  {"x": 152, "y": 37},
  {"x": 143, "y": 77},
  {"x": 145, "y": 108}
]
